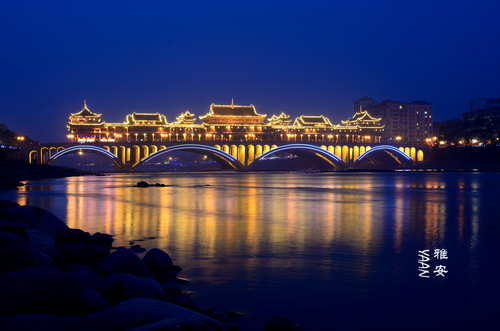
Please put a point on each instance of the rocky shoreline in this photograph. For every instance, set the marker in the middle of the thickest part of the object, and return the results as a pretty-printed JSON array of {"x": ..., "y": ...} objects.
[
  {"x": 56, "y": 278},
  {"x": 13, "y": 172}
]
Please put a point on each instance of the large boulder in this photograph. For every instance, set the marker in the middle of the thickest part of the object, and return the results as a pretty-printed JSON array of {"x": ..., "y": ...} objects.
[
  {"x": 94, "y": 302},
  {"x": 124, "y": 261},
  {"x": 157, "y": 261},
  {"x": 35, "y": 218},
  {"x": 41, "y": 241},
  {"x": 144, "y": 312},
  {"x": 280, "y": 323},
  {"x": 144, "y": 305},
  {"x": 119, "y": 287},
  {"x": 45, "y": 322},
  {"x": 14, "y": 228},
  {"x": 40, "y": 290},
  {"x": 15, "y": 253}
]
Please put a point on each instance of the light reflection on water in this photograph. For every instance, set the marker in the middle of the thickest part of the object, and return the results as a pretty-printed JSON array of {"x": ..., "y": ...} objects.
[{"x": 287, "y": 243}]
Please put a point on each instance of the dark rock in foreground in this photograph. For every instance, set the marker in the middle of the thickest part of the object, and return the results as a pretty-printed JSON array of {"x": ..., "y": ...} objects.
[
  {"x": 15, "y": 253},
  {"x": 279, "y": 323},
  {"x": 56, "y": 278},
  {"x": 124, "y": 261}
]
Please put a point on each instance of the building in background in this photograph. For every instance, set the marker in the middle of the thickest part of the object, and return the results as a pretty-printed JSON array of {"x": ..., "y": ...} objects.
[
  {"x": 477, "y": 127},
  {"x": 405, "y": 122},
  {"x": 483, "y": 108}
]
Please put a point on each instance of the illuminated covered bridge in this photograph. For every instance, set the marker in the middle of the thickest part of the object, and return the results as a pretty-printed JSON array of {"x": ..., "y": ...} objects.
[{"x": 128, "y": 157}]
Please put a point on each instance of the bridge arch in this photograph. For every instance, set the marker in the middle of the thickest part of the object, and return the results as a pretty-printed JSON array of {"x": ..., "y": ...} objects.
[
  {"x": 319, "y": 155},
  {"x": 225, "y": 160},
  {"x": 87, "y": 148},
  {"x": 379, "y": 156},
  {"x": 32, "y": 157}
]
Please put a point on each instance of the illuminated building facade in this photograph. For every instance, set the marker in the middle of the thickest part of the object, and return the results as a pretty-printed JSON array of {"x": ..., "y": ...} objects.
[
  {"x": 223, "y": 123},
  {"x": 405, "y": 122}
]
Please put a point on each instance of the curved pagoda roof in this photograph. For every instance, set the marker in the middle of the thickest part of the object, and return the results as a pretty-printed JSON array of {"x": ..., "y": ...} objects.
[
  {"x": 85, "y": 117},
  {"x": 185, "y": 118},
  {"x": 146, "y": 119},
  {"x": 281, "y": 119},
  {"x": 361, "y": 116},
  {"x": 232, "y": 114},
  {"x": 85, "y": 112},
  {"x": 312, "y": 121}
]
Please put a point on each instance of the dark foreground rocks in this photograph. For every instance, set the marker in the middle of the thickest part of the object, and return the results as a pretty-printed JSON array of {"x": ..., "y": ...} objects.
[{"x": 56, "y": 278}]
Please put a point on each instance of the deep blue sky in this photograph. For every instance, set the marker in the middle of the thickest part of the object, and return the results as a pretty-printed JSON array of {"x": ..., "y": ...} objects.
[{"x": 307, "y": 57}]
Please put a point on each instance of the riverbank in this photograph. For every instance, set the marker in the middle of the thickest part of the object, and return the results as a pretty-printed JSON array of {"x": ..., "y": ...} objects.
[
  {"x": 13, "y": 172},
  {"x": 53, "y": 277},
  {"x": 56, "y": 278}
]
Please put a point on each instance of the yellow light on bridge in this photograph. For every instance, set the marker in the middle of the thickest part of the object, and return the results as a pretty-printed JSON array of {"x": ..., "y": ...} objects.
[{"x": 398, "y": 138}]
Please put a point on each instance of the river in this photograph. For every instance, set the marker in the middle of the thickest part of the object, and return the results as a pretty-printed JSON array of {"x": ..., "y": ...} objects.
[{"x": 326, "y": 250}]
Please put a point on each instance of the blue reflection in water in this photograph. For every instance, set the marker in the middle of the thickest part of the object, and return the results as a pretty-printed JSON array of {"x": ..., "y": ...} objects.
[{"x": 327, "y": 250}]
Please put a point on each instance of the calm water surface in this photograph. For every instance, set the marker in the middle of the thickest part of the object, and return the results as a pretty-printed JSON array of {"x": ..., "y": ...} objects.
[{"x": 326, "y": 250}]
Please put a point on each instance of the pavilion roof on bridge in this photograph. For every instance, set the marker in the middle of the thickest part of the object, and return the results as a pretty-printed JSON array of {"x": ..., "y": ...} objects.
[
  {"x": 362, "y": 119},
  {"x": 232, "y": 114},
  {"x": 312, "y": 121},
  {"x": 146, "y": 119},
  {"x": 85, "y": 116},
  {"x": 282, "y": 119},
  {"x": 185, "y": 118}
]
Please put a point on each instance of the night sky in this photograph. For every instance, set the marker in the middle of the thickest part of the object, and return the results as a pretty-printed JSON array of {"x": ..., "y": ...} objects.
[{"x": 307, "y": 57}]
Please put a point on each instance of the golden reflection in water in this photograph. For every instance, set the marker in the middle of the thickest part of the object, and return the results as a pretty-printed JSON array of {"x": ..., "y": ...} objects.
[
  {"x": 434, "y": 213},
  {"x": 398, "y": 223},
  {"x": 207, "y": 217}
]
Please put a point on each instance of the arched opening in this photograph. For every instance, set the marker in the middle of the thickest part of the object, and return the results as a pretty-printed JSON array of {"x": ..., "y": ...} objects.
[
  {"x": 33, "y": 156},
  {"x": 122, "y": 154},
  {"x": 217, "y": 146},
  {"x": 383, "y": 157},
  {"x": 241, "y": 154},
  {"x": 345, "y": 154},
  {"x": 420, "y": 156},
  {"x": 114, "y": 150},
  {"x": 355, "y": 153},
  {"x": 225, "y": 149},
  {"x": 135, "y": 157},
  {"x": 413, "y": 154},
  {"x": 297, "y": 157},
  {"x": 87, "y": 157},
  {"x": 52, "y": 151},
  {"x": 153, "y": 149},
  {"x": 145, "y": 152},
  {"x": 44, "y": 155},
  {"x": 338, "y": 151},
  {"x": 234, "y": 151},
  {"x": 331, "y": 149},
  {"x": 258, "y": 151},
  {"x": 164, "y": 159},
  {"x": 251, "y": 154},
  {"x": 266, "y": 148}
]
